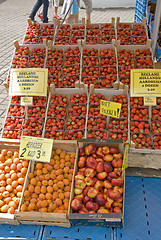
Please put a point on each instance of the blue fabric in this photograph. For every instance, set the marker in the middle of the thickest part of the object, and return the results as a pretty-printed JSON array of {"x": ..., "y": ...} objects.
[
  {"x": 74, "y": 8},
  {"x": 36, "y": 8}
]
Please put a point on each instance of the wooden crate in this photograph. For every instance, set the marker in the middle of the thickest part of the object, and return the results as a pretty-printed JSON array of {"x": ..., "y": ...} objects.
[
  {"x": 39, "y": 218},
  {"x": 97, "y": 219},
  {"x": 9, "y": 144}
]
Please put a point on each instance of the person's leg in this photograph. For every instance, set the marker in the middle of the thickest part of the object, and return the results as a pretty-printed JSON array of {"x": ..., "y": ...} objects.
[
  {"x": 35, "y": 9},
  {"x": 45, "y": 11}
]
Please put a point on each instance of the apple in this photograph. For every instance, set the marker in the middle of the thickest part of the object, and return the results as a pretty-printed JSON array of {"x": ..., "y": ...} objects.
[
  {"x": 109, "y": 178},
  {"x": 92, "y": 206},
  {"x": 102, "y": 175},
  {"x": 92, "y": 192},
  {"x": 94, "y": 155},
  {"x": 112, "y": 175},
  {"x": 87, "y": 199},
  {"x": 79, "y": 176},
  {"x": 117, "y": 156},
  {"x": 107, "y": 184},
  {"x": 105, "y": 150},
  {"x": 81, "y": 162},
  {"x": 99, "y": 152},
  {"x": 91, "y": 162},
  {"x": 108, "y": 202},
  {"x": 89, "y": 181},
  {"x": 108, "y": 158},
  {"x": 80, "y": 183},
  {"x": 114, "y": 150},
  {"x": 117, "y": 204},
  {"x": 79, "y": 197},
  {"x": 76, "y": 205},
  {"x": 100, "y": 166},
  {"x": 118, "y": 171},
  {"x": 100, "y": 200},
  {"x": 95, "y": 179},
  {"x": 90, "y": 149},
  {"x": 102, "y": 211},
  {"x": 99, "y": 159},
  {"x": 81, "y": 152},
  {"x": 113, "y": 194},
  {"x": 108, "y": 167},
  {"x": 117, "y": 181},
  {"x": 117, "y": 163},
  {"x": 89, "y": 172},
  {"x": 120, "y": 199},
  {"x": 78, "y": 191},
  {"x": 85, "y": 191},
  {"x": 81, "y": 170},
  {"x": 83, "y": 210},
  {"x": 119, "y": 189},
  {"x": 98, "y": 185},
  {"x": 92, "y": 211},
  {"x": 117, "y": 210}
]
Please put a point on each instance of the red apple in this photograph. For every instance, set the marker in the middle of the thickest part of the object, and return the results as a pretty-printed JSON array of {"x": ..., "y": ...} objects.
[
  {"x": 116, "y": 204},
  {"x": 91, "y": 162},
  {"x": 95, "y": 179},
  {"x": 83, "y": 210},
  {"x": 89, "y": 172},
  {"x": 114, "y": 150},
  {"x": 99, "y": 152},
  {"x": 99, "y": 159},
  {"x": 102, "y": 211},
  {"x": 117, "y": 163},
  {"x": 108, "y": 202},
  {"x": 100, "y": 167},
  {"x": 113, "y": 194},
  {"x": 81, "y": 152},
  {"x": 105, "y": 150},
  {"x": 119, "y": 189},
  {"x": 80, "y": 183},
  {"x": 81, "y": 162},
  {"x": 108, "y": 158},
  {"x": 79, "y": 176},
  {"x": 76, "y": 205},
  {"x": 92, "y": 206},
  {"x": 112, "y": 175},
  {"x": 79, "y": 197},
  {"x": 108, "y": 167},
  {"x": 100, "y": 200},
  {"x": 92, "y": 211},
  {"x": 89, "y": 181},
  {"x": 117, "y": 181},
  {"x": 117, "y": 210},
  {"x": 87, "y": 199},
  {"x": 92, "y": 192},
  {"x": 102, "y": 175},
  {"x": 85, "y": 191},
  {"x": 107, "y": 184},
  {"x": 118, "y": 171},
  {"x": 90, "y": 149},
  {"x": 117, "y": 156},
  {"x": 78, "y": 191},
  {"x": 98, "y": 185},
  {"x": 81, "y": 170},
  {"x": 120, "y": 199}
]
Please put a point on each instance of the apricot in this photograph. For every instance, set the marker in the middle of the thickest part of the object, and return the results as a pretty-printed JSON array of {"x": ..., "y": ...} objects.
[
  {"x": 24, "y": 170},
  {"x": 61, "y": 196},
  {"x": 43, "y": 189},
  {"x": 44, "y": 204},
  {"x": 17, "y": 200},
  {"x": 44, "y": 182},
  {"x": 0, "y": 196},
  {"x": 12, "y": 204},
  {"x": 16, "y": 153},
  {"x": 38, "y": 204},
  {"x": 50, "y": 183},
  {"x": 21, "y": 181},
  {"x": 2, "y": 177},
  {"x": 31, "y": 188},
  {"x": 60, "y": 184},
  {"x": 7, "y": 169},
  {"x": 58, "y": 172},
  {"x": 62, "y": 160},
  {"x": 2, "y": 183},
  {"x": 9, "y": 153},
  {"x": 49, "y": 168},
  {"x": 30, "y": 175},
  {"x": 1, "y": 203},
  {"x": 60, "y": 177},
  {"x": 4, "y": 208},
  {"x": 66, "y": 169},
  {"x": 14, "y": 176},
  {"x": 14, "y": 184},
  {"x": 9, "y": 181},
  {"x": 38, "y": 184},
  {"x": 43, "y": 209},
  {"x": 58, "y": 201},
  {"x": 7, "y": 200},
  {"x": 8, "y": 162},
  {"x": 48, "y": 196},
  {"x": 70, "y": 176},
  {"x": 33, "y": 181},
  {"x": 11, "y": 210},
  {"x": 31, "y": 206},
  {"x": 66, "y": 182},
  {"x": 67, "y": 194},
  {"x": 37, "y": 190},
  {"x": 24, "y": 207},
  {"x": 55, "y": 187},
  {"x": 66, "y": 188},
  {"x": 44, "y": 171},
  {"x": 42, "y": 196},
  {"x": 52, "y": 162},
  {"x": 4, "y": 152},
  {"x": 39, "y": 172},
  {"x": 56, "y": 166},
  {"x": 16, "y": 160},
  {"x": 34, "y": 195},
  {"x": 2, "y": 189},
  {"x": 9, "y": 188},
  {"x": 27, "y": 193},
  {"x": 55, "y": 195},
  {"x": 53, "y": 176},
  {"x": 66, "y": 205},
  {"x": 67, "y": 157},
  {"x": 19, "y": 194},
  {"x": 5, "y": 194},
  {"x": 47, "y": 177},
  {"x": 20, "y": 175}
]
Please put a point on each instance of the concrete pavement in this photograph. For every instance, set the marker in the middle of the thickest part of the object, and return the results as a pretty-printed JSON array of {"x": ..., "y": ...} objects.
[{"x": 13, "y": 19}]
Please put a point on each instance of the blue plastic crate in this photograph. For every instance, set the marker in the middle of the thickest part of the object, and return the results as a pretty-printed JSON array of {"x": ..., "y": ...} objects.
[
  {"x": 25, "y": 232},
  {"x": 138, "y": 14},
  {"x": 79, "y": 233},
  {"x": 158, "y": 51},
  {"x": 142, "y": 2},
  {"x": 137, "y": 19},
  {"x": 140, "y": 6},
  {"x": 140, "y": 10},
  {"x": 136, "y": 227},
  {"x": 152, "y": 188}
]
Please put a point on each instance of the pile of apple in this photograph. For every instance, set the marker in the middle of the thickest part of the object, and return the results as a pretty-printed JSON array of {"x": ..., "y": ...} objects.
[
  {"x": 99, "y": 67},
  {"x": 63, "y": 67},
  {"x": 131, "y": 34},
  {"x": 98, "y": 183}
]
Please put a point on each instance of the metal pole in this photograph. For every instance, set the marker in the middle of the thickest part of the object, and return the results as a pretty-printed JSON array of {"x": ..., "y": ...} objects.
[{"x": 156, "y": 25}]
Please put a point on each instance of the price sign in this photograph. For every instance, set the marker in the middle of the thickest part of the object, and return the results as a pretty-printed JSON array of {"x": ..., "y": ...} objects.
[
  {"x": 111, "y": 109},
  {"x": 36, "y": 149},
  {"x": 150, "y": 101},
  {"x": 26, "y": 101},
  {"x": 145, "y": 83},
  {"x": 125, "y": 159},
  {"x": 28, "y": 81}
]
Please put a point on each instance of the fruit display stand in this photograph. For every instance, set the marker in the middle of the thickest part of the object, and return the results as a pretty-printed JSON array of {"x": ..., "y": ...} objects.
[
  {"x": 46, "y": 218},
  {"x": 102, "y": 217},
  {"x": 9, "y": 145}
]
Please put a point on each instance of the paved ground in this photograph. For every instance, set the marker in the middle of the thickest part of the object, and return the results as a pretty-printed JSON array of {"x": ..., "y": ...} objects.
[{"x": 13, "y": 19}]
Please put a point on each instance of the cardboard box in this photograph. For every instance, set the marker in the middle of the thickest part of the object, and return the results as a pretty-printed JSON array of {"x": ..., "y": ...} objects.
[{"x": 98, "y": 219}]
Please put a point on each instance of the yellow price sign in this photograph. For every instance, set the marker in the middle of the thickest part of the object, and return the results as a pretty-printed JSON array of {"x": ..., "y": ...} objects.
[
  {"x": 149, "y": 101},
  {"x": 26, "y": 101},
  {"x": 111, "y": 109},
  {"x": 145, "y": 82},
  {"x": 28, "y": 81},
  {"x": 36, "y": 149},
  {"x": 125, "y": 159}
]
